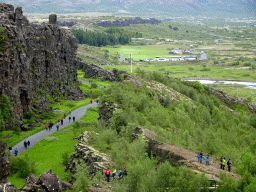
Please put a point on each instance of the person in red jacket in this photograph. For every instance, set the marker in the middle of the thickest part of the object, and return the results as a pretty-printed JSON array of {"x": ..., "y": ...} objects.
[{"x": 107, "y": 172}]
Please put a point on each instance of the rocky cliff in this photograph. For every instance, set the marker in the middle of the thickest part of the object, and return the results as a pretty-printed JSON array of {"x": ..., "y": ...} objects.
[
  {"x": 4, "y": 163},
  {"x": 35, "y": 60}
]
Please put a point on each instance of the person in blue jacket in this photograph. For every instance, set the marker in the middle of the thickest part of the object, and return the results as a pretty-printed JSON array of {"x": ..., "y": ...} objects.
[
  {"x": 207, "y": 160},
  {"x": 120, "y": 174},
  {"x": 198, "y": 157}
]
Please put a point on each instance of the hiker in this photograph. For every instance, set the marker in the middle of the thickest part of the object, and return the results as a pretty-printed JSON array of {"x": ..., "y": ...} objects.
[
  {"x": 58, "y": 121},
  {"x": 125, "y": 171},
  {"x": 10, "y": 150},
  {"x": 201, "y": 156},
  {"x": 229, "y": 165},
  {"x": 113, "y": 174},
  {"x": 198, "y": 157},
  {"x": 74, "y": 119},
  {"x": 107, "y": 172},
  {"x": 46, "y": 127},
  {"x": 57, "y": 126},
  {"x": 28, "y": 144},
  {"x": 221, "y": 159},
  {"x": 223, "y": 163},
  {"x": 120, "y": 174},
  {"x": 97, "y": 101},
  {"x": 16, "y": 152},
  {"x": 64, "y": 115},
  {"x": 92, "y": 101},
  {"x": 61, "y": 121},
  {"x": 25, "y": 144},
  {"x": 207, "y": 160},
  {"x": 69, "y": 119},
  {"x": 69, "y": 112}
]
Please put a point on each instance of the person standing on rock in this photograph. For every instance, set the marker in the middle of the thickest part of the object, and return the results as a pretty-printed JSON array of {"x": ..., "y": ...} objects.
[
  {"x": 107, "y": 173},
  {"x": 223, "y": 163},
  {"x": 25, "y": 144},
  {"x": 201, "y": 156},
  {"x": 16, "y": 152},
  {"x": 229, "y": 165},
  {"x": 74, "y": 119},
  {"x": 221, "y": 159},
  {"x": 28, "y": 144}
]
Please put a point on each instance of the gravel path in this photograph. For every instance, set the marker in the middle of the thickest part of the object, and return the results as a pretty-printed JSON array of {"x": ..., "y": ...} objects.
[
  {"x": 34, "y": 139},
  {"x": 88, "y": 83}
]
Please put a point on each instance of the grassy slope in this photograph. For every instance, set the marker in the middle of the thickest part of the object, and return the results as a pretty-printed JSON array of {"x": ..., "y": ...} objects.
[{"x": 48, "y": 154}]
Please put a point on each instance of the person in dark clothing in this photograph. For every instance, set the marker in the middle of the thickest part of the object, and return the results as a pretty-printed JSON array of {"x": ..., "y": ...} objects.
[
  {"x": 57, "y": 126},
  {"x": 61, "y": 121},
  {"x": 69, "y": 119},
  {"x": 64, "y": 115},
  {"x": 74, "y": 118},
  {"x": 51, "y": 124},
  {"x": 28, "y": 144},
  {"x": 221, "y": 159},
  {"x": 201, "y": 156},
  {"x": 120, "y": 174},
  {"x": 16, "y": 152},
  {"x": 25, "y": 144},
  {"x": 125, "y": 171},
  {"x": 229, "y": 165},
  {"x": 107, "y": 172}
]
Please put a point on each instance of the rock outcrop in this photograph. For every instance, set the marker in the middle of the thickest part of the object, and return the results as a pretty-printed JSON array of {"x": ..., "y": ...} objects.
[
  {"x": 4, "y": 163},
  {"x": 230, "y": 100},
  {"x": 35, "y": 60},
  {"x": 106, "y": 112},
  {"x": 47, "y": 182},
  {"x": 85, "y": 154},
  {"x": 127, "y": 22}
]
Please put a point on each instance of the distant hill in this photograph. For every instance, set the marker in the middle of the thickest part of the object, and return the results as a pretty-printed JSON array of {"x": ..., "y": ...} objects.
[{"x": 147, "y": 8}]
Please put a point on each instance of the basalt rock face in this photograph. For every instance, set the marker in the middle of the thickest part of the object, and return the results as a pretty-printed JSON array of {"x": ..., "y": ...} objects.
[
  {"x": 4, "y": 163},
  {"x": 35, "y": 59}
]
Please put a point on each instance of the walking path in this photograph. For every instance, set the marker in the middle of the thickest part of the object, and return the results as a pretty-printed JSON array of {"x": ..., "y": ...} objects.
[
  {"x": 88, "y": 83},
  {"x": 36, "y": 138}
]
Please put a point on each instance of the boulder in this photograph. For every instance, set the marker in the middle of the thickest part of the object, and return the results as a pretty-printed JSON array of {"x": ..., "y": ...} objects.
[{"x": 50, "y": 182}]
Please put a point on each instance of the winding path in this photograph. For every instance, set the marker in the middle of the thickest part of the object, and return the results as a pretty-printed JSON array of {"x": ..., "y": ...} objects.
[{"x": 36, "y": 138}]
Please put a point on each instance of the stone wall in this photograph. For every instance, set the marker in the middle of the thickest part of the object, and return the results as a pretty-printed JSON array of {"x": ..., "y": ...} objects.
[
  {"x": 127, "y": 22},
  {"x": 37, "y": 59}
]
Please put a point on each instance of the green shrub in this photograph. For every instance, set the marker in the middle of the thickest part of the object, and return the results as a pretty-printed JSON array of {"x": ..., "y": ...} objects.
[
  {"x": 23, "y": 166},
  {"x": 94, "y": 85},
  {"x": 65, "y": 158},
  {"x": 19, "y": 47}
]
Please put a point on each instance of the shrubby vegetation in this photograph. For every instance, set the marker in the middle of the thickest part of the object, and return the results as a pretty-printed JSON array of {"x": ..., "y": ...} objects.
[
  {"x": 4, "y": 111},
  {"x": 111, "y": 36}
]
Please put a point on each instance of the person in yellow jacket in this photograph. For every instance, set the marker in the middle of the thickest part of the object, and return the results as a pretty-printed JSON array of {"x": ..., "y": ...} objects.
[{"x": 223, "y": 163}]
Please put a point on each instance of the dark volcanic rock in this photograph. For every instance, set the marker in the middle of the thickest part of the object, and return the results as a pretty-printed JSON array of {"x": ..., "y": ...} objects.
[
  {"x": 4, "y": 163},
  {"x": 35, "y": 59},
  {"x": 52, "y": 19}
]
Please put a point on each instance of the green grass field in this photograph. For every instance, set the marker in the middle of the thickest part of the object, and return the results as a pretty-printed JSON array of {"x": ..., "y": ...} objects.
[{"x": 48, "y": 154}]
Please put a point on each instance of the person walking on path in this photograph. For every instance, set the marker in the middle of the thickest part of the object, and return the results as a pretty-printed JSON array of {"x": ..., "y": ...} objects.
[
  {"x": 207, "y": 160},
  {"x": 223, "y": 163},
  {"x": 28, "y": 144},
  {"x": 61, "y": 121},
  {"x": 69, "y": 119},
  {"x": 113, "y": 174},
  {"x": 198, "y": 157},
  {"x": 201, "y": 156},
  {"x": 64, "y": 115},
  {"x": 25, "y": 144},
  {"x": 58, "y": 121},
  {"x": 57, "y": 126},
  {"x": 221, "y": 159},
  {"x": 74, "y": 119},
  {"x": 69, "y": 112},
  {"x": 229, "y": 165},
  {"x": 16, "y": 152},
  {"x": 46, "y": 126},
  {"x": 107, "y": 172}
]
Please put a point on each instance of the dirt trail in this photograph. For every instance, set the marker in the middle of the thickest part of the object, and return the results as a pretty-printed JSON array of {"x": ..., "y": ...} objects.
[{"x": 212, "y": 171}]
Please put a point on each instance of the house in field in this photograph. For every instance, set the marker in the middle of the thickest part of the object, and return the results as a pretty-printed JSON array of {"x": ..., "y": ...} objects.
[
  {"x": 176, "y": 51},
  {"x": 203, "y": 56}
]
